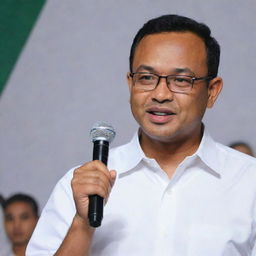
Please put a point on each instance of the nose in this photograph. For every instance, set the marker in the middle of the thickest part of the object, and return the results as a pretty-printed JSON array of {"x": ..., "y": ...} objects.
[
  {"x": 16, "y": 224},
  {"x": 162, "y": 93}
]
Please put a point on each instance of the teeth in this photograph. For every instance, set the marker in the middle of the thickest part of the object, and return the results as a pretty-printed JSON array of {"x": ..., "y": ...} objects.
[{"x": 160, "y": 113}]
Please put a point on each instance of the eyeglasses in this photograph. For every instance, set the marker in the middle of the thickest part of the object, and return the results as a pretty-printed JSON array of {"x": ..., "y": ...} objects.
[{"x": 176, "y": 83}]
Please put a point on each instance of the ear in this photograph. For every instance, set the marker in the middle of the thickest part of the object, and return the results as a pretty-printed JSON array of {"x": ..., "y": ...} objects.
[
  {"x": 214, "y": 89},
  {"x": 129, "y": 81}
]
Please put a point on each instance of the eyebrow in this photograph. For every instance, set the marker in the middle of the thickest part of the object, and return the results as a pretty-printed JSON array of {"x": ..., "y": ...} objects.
[
  {"x": 148, "y": 68},
  {"x": 184, "y": 70},
  {"x": 176, "y": 70}
]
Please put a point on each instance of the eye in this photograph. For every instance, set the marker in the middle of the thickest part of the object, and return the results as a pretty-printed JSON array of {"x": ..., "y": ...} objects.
[
  {"x": 182, "y": 81},
  {"x": 24, "y": 216},
  {"x": 8, "y": 218},
  {"x": 145, "y": 77}
]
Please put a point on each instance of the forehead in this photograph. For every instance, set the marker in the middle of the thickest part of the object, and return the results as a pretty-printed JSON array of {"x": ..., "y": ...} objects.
[
  {"x": 243, "y": 148},
  {"x": 177, "y": 49},
  {"x": 17, "y": 208}
]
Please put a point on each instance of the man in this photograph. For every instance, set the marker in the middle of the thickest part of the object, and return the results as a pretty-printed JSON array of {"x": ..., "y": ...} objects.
[
  {"x": 172, "y": 190},
  {"x": 20, "y": 218}
]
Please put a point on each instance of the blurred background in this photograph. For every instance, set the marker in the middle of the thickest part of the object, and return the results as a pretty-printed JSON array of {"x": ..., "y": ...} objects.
[{"x": 63, "y": 67}]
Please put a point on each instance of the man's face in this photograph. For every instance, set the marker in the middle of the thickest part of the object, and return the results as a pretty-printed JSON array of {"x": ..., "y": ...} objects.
[
  {"x": 164, "y": 115},
  {"x": 20, "y": 222}
]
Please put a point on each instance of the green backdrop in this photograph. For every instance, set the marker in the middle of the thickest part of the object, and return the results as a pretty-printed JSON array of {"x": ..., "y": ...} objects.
[{"x": 17, "y": 18}]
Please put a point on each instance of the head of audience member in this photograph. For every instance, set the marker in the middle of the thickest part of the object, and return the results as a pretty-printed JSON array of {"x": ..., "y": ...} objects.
[
  {"x": 20, "y": 218},
  {"x": 242, "y": 147}
]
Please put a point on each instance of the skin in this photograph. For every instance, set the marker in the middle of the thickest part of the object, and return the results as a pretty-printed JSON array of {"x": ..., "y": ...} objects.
[
  {"x": 90, "y": 179},
  {"x": 244, "y": 149},
  {"x": 168, "y": 139},
  {"x": 20, "y": 222}
]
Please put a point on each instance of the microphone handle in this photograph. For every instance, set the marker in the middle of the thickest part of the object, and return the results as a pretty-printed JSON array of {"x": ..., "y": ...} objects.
[{"x": 95, "y": 211}]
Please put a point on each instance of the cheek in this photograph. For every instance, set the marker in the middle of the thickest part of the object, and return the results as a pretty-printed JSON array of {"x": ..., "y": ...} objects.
[
  {"x": 138, "y": 101},
  {"x": 192, "y": 106},
  {"x": 9, "y": 227},
  {"x": 28, "y": 226},
  {"x": 201, "y": 102}
]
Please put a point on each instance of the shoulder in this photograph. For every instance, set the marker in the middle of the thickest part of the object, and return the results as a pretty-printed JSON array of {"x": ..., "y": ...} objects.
[
  {"x": 236, "y": 156},
  {"x": 63, "y": 186},
  {"x": 235, "y": 162}
]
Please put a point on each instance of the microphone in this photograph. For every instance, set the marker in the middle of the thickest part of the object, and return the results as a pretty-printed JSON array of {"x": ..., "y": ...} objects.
[{"x": 102, "y": 135}]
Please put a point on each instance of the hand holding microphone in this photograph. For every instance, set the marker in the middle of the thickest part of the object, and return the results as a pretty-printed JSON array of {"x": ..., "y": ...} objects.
[
  {"x": 102, "y": 135},
  {"x": 92, "y": 182}
]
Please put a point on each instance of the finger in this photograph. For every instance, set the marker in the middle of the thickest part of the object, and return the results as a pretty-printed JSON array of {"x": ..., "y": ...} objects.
[
  {"x": 83, "y": 190},
  {"x": 92, "y": 189},
  {"x": 93, "y": 177},
  {"x": 96, "y": 184},
  {"x": 95, "y": 165},
  {"x": 91, "y": 182}
]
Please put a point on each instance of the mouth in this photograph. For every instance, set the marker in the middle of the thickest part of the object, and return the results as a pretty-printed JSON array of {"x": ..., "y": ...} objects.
[
  {"x": 160, "y": 115},
  {"x": 18, "y": 234},
  {"x": 160, "y": 111}
]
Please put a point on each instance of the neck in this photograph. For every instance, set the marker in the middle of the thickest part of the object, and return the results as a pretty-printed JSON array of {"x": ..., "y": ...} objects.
[
  {"x": 19, "y": 250},
  {"x": 169, "y": 154}
]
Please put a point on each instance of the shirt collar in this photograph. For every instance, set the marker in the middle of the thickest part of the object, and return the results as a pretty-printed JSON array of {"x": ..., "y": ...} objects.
[
  {"x": 134, "y": 156},
  {"x": 207, "y": 152}
]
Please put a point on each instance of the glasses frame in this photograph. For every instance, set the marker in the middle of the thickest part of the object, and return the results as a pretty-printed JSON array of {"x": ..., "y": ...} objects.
[{"x": 193, "y": 78}]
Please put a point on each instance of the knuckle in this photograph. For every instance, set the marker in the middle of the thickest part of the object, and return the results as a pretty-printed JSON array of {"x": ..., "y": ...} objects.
[
  {"x": 96, "y": 162},
  {"x": 73, "y": 182},
  {"x": 96, "y": 180}
]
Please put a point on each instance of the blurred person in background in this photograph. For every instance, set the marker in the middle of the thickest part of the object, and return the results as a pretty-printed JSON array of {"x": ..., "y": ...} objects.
[
  {"x": 242, "y": 147},
  {"x": 20, "y": 218}
]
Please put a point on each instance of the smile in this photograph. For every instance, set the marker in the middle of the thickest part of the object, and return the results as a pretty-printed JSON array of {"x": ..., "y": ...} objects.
[{"x": 160, "y": 116}]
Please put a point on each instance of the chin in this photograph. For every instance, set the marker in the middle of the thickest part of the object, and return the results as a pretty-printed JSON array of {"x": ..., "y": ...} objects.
[
  {"x": 19, "y": 241},
  {"x": 163, "y": 135}
]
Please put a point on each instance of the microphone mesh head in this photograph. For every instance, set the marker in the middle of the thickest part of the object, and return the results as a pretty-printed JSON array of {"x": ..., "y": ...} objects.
[{"x": 102, "y": 131}]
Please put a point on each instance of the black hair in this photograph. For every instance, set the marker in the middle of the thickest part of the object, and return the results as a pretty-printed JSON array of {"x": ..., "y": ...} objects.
[
  {"x": 177, "y": 23},
  {"x": 22, "y": 198}
]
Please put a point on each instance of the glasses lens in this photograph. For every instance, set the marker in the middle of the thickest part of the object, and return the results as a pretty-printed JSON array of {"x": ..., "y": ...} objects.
[
  {"x": 145, "y": 81},
  {"x": 180, "y": 83}
]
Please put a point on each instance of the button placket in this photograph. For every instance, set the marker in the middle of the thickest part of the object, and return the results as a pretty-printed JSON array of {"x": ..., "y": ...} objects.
[{"x": 165, "y": 222}]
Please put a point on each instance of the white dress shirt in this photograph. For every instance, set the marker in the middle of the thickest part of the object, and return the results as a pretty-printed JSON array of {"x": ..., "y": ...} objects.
[{"x": 206, "y": 209}]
